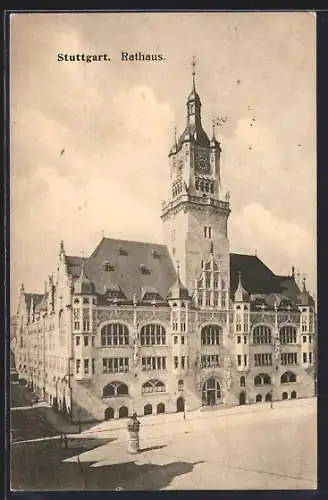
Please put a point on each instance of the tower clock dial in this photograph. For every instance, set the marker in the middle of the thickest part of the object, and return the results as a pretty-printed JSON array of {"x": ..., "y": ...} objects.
[{"x": 202, "y": 164}]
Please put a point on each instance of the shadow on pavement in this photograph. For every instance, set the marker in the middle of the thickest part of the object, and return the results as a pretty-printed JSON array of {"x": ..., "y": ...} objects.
[
  {"x": 39, "y": 466},
  {"x": 150, "y": 448}
]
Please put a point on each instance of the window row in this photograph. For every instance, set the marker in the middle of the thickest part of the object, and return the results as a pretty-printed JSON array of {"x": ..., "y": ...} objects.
[
  {"x": 265, "y": 379},
  {"x": 263, "y": 359},
  {"x": 115, "y": 365},
  {"x": 207, "y": 186},
  {"x": 305, "y": 339},
  {"x": 288, "y": 358},
  {"x": 86, "y": 340},
  {"x": 175, "y": 326},
  {"x": 176, "y": 339},
  {"x": 242, "y": 360},
  {"x": 307, "y": 357},
  {"x": 262, "y": 334},
  {"x": 85, "y": 366},
  {"x": 210, "y": 360},
  {"x": 153, "y": 363},
  {"x": 117, "y": 334},
  {"x": 212, "y": 299},
  {"x": 207, "y": 232},
  {"x": 210, "y": 335},
  {"x": 184, "y": 362}
]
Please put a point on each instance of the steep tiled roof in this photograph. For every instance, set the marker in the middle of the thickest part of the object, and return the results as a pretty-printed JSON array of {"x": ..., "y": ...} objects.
[
  {"x": 134, "y": 266},
  {"x": 258, "y": 278}
]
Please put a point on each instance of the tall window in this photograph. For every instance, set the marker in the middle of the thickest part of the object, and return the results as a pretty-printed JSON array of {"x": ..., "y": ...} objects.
[
  {"x": 210, "y": 360},
  {"x": 210, "y": 335},
  {"x": 115, "y": 365},
  {"x": 289, "y": 358},
  {"x": 86, "y": 319},
  {"x": 153, "y": 363},
  {"x": 76, "y": 315},
  {"x": 152, "y": 334},
  {"x": 288, "y": 335},
  {"x": 114, "y": 334},
  {"x": 242, "y": 381},
  {"x": 86, "y": 366},
  {"x": 77, "y": 365},
  {"x": 263, "y": 359},
  {"x": 262, "y": 335}
]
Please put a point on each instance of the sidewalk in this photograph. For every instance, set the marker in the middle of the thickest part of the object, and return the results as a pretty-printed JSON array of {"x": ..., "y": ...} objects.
[{"x": 168, "y": 424}]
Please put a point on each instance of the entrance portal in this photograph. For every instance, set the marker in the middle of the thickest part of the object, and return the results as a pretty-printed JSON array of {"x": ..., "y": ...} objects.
[
  {"x": 180, "y": 404},
  {"x": 109, "y": 413},
  {"x": 211, "y": 392},
  {"x": 242, "y": 398}
]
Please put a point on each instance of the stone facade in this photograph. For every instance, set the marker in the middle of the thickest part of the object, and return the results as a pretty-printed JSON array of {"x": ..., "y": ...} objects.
[{"x": 155, "y": 328}]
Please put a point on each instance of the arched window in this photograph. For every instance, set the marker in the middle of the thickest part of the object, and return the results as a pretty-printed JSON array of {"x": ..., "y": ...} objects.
[
  {"x": 180, "y": 384},
  {"x": 242, "y": 381},
  {"x": 211, "y": 392},
  {"x": 258, "y": 398},
  {"x": 152, "y": 334},
  {"x": 115, "y": 389},
  {"x": 288, "y": 335},
  {"x": 210, "y": 335},
  {"x": 161, "y": 408},
  {"x": 262, "y": 334},
  {"x": 262, "y": 379},
  {"x": 285, "y": 395},
  {"x": 152, "y": 386},
  {"x": 268, "y": 396},
  {"x": 114, "y": 334},
  {"x": 148, "y": 409},
  {"x": 293, "y": 395},
  {"x": 287, "y": 378}
]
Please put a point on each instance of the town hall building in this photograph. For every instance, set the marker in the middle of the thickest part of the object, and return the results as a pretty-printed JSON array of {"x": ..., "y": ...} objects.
[{"x": 151, "y": 328}]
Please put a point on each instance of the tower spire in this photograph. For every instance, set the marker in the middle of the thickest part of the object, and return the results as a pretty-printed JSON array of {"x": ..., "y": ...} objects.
[{"x": 193, "y": 63}]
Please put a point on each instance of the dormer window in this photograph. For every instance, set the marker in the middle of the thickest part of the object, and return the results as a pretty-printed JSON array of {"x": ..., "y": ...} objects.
[
  {"x": 144, "y": 269},
  {"x": 155, "y": 254},
  {"x": 107, "y": 266},
  {"x": 121, "y": 251}
]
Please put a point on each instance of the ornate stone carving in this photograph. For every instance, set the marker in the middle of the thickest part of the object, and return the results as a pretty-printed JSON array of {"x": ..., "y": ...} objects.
[
  {"x": 116, "y": 314},
  {"x": 227, "y": 378}
]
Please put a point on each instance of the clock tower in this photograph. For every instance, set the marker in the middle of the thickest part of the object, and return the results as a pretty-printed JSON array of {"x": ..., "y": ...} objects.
[{"x": 195, "y": 215}]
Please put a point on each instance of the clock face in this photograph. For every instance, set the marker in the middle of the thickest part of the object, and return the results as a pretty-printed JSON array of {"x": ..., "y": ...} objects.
[{"x": 203, "y": 164}]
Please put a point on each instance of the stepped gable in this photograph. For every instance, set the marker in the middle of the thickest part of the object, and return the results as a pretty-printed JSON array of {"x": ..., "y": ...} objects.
[
  {"x": 259, "y": 279},
  {"x": 131, "y": 265}
]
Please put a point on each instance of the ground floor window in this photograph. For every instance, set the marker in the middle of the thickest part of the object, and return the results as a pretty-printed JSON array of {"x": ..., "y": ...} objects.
[
  {"x": 259, "y": 398},
  {"x": 268, "y": 396},
  {"x": 180, "y": 404},
  {"x": 293, "y": 395},
  {"x": 242, "y": 398},
  {"x": 285, "y": 395}
]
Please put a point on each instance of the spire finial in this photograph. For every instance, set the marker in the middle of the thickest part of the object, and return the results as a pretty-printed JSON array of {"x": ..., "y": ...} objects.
[
  {"x": 193, "y": 63},
  {"x": 211, "y": 248},
  {"x": 175, "y": 134},
  {"x": 213, "y": 127},
  {"x": 304, "y": 281},
  {"x": 293, "y": 272},
  {"x": 178, "y": 268},
  {"x": 61, "y": 246}
]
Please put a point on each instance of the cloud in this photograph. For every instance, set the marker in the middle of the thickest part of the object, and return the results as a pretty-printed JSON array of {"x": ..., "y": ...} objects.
[{"x": 279, "y": 243}]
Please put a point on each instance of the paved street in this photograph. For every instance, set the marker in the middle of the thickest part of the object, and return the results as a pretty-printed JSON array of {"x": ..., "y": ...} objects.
[{"x": 259, "y": 448}]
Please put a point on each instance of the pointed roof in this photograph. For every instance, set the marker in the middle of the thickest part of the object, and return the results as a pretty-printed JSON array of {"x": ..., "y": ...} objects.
[
  {"x": 304, "y": 298},
  {"x": 83, "y": 285},
  {"x": 178, "y": 291},
  {"x": 241, "y": 295}
]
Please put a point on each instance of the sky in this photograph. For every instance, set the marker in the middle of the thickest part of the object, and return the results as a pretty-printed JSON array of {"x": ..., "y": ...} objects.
[{"x": 89, "y": 142}]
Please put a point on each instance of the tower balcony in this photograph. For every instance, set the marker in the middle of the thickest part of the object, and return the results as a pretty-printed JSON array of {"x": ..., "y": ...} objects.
[{"x": 188, "y": 199}]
